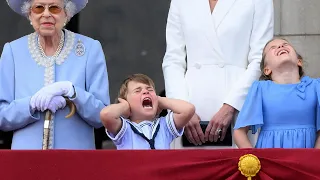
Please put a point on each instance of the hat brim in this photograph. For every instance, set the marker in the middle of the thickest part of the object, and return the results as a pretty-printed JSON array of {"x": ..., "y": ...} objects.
[{"x": 16, "y": 5}]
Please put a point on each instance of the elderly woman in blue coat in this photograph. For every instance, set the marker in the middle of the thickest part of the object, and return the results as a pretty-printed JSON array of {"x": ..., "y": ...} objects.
[{"x": 42, "y": 71}]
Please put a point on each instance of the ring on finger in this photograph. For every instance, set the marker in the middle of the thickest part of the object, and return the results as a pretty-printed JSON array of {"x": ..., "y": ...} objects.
[{"x": 218, "y": 132}]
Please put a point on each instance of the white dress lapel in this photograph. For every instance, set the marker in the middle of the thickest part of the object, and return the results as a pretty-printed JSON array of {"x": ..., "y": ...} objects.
[
  {"x": 221, "y": 10},
  {"x": 209, "y": 27},
  {"x": 214, "y": 20}
]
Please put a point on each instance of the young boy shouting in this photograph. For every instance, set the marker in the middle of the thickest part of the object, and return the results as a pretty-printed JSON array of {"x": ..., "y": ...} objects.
[{"x": 133, "y": 124}]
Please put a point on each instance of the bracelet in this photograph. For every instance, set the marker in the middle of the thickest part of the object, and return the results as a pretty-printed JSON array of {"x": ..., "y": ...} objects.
[{"x": 74, "y": 93}]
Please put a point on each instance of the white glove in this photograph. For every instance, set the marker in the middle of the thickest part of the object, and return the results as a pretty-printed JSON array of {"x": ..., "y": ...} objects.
[
  {"x": 40, "y": 101},
  {"x": 57, "y": 102}
]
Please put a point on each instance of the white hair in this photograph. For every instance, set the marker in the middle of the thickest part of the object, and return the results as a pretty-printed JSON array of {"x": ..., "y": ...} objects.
[{"x": 69, "y": 7}]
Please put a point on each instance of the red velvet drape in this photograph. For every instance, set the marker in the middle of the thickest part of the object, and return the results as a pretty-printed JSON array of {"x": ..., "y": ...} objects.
[{"x": 153, "y": 165}]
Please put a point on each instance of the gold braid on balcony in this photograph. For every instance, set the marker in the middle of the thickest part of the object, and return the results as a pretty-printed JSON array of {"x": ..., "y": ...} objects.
[{"x": 249, "y": 165}]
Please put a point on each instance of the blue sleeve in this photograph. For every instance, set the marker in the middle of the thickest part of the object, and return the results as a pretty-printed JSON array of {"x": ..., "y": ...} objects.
[
  {"x": 122, "y": 136},
  {"x": 95, "y": 97},
  {"x": 318, "y": 104},
  {"x": 170, "y": 128},
  {"x": 251, "y": 112},
  {"x": 14, "y": 113}
]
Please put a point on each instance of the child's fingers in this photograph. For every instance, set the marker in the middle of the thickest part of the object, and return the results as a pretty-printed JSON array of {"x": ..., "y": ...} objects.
[{"x": 121, "y": 100}]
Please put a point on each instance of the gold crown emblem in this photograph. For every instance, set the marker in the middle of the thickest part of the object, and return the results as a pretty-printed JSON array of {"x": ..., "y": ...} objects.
[{"x": 249, "y": 165}]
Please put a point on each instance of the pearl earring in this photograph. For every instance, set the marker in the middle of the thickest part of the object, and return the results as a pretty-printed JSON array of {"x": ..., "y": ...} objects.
[{"x": 30, "y": 23}]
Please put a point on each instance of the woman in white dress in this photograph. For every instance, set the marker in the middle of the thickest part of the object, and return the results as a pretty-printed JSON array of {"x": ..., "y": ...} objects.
[{"x": 213, "y": 54}]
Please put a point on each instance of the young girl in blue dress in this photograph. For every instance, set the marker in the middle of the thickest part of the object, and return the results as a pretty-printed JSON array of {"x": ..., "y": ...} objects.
[{"x": 284, "y": 104}]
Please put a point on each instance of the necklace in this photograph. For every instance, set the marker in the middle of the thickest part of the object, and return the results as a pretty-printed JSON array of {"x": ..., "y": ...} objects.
[
  {"x": 58, "y": 51},
  {"x": 65, "y": 46}
]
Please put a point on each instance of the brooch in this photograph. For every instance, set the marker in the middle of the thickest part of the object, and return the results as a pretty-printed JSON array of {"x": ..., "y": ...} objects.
[{"x": 80, "y": 49}]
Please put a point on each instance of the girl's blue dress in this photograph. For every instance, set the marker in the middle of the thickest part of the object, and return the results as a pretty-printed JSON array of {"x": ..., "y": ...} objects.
[{"x": 288, "y": 114}]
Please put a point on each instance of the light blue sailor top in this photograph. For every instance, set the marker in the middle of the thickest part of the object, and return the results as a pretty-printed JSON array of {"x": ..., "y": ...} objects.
[
  {"x": 128, "y": 139},
  {"x": 23, "y": 71}
]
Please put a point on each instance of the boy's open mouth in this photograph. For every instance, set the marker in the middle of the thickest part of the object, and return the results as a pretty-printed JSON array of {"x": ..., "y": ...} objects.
[{"x": 147, "y": 103}]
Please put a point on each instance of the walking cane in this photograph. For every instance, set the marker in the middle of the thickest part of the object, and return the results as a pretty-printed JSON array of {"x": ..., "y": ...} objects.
[{"x": 47, "y": 123}]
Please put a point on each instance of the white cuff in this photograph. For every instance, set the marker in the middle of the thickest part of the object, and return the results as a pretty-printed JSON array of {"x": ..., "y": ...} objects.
[
  {"x": 70, "y": 93},
  {"x": 235, "y": 102},
  {"x": 120, "y": 134},
  {"x": 172, "y": 127}
]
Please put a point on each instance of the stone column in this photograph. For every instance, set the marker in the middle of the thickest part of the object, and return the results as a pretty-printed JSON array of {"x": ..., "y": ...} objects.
[{"x": 299, "y": 22}]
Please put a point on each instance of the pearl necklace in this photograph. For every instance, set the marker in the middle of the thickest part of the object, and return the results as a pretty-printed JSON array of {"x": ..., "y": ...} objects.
[
  {"x": 60, "y": 56},
  {"x": 58, "y": 51}
]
